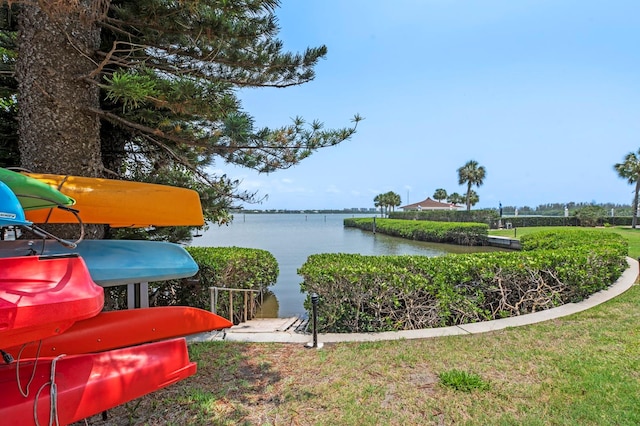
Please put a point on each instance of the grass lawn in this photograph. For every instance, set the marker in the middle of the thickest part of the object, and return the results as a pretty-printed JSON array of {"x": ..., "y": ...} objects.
[
  {"x": 579, "y": 370},
  {"x": 583, "y": 369}
]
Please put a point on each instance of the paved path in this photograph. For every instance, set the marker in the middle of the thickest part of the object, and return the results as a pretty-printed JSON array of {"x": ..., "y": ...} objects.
[{"x": 282, "y": 330}]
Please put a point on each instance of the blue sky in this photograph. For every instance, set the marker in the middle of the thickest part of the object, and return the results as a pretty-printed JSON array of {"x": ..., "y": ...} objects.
[{"x": 545, "y": 94}]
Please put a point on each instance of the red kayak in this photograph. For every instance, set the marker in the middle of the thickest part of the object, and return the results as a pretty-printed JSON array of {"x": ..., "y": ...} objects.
[
  {"x": 117, "y": 329},
  {"x": 88, "y": 384},
  {"x": 42, "y": 296}
]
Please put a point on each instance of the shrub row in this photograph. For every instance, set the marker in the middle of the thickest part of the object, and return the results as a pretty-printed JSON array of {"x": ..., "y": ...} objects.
[
  {"x": 572, "y": 237},
  {"x": 523, "y": 221},
  {"x": 469, "y": 234},
  {"x": 231, "y": 267},
  {"x": 383, "y": 293},
  {"x": 491, "y": 218},
  {"x": 480, "y": 216}
]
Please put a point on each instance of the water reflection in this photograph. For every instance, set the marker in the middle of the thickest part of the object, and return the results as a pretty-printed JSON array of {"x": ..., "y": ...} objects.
[
  {"x": 269, "y": 307},
  {"x": 291, "y": 238}
]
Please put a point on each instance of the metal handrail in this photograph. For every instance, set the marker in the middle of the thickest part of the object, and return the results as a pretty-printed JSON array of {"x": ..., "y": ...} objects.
[{"x": 248, "y": 304}]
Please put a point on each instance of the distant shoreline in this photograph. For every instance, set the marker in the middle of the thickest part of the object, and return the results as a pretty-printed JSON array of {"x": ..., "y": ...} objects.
[{"x": 310, "y": 211}]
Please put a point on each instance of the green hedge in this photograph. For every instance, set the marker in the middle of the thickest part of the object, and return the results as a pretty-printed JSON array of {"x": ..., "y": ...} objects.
[
  {"x": 570, "y": 238},
  {"x": 470, "y": 234},
  {"x": 524, "y": 221},
  {"x": 491, "y": 218},
  {"x": 383, "y": 293},
  {"x": 231, "y": 267},
  {"x": 235, "y": 267},
  {"x": 480, "y": 216}
]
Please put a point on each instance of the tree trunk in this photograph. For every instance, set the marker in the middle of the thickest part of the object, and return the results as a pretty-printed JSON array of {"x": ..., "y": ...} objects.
[{"x": 58, "y": 134}]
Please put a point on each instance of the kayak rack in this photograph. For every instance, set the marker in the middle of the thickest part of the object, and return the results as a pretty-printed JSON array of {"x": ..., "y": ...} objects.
[{"x": 247, "y": 311}]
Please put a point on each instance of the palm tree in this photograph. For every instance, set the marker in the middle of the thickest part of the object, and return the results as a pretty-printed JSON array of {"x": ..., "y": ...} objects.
[
  {"x": 473, "y": 198},
  {"x": 471, "y": 174},
  {"x": 440, "y": 194},
  {"x": 455, "y": 198},
  {"x": 387, "y": 201},
  {"x": 630, "y": 170},
  {"x": 378, "y": 201},
  {"x": 393, "y": 200}
]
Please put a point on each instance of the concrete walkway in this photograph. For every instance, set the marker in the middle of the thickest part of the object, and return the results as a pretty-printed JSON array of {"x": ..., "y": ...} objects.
[{"x": 276, "y": 329}]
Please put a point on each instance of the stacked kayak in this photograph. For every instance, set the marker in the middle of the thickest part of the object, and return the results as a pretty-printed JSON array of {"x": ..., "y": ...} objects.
[
  {"x": 43, "y": 296},
  {"x": 116, "y": 262},
  {"x": 117, "y": 329},
  {"x": 102, "y": 200},
  {"x": 65, "y": 360},
  {"x": 11, "y": 212},
  {"x": 18, "y": 193},
  {"x": 32, "y": 193},
  {"x": 70, "y": 388}
]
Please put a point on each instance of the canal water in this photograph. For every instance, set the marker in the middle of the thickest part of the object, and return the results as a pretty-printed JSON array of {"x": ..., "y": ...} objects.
[{"x": 291, "y": 238}]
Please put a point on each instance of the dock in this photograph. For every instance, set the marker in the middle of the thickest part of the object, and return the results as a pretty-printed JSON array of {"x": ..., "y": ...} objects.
[
  {"x": 269, "y": 325},
  {"x": 504, "y": 242},
  {"x": 284, "y": 330}
]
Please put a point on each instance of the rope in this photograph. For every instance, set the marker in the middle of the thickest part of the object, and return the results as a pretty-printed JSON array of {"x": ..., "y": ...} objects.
[
  {"x": 62, "y": 182},
  {"x": 25, "y": 392},
  {"x": 59, "y": 188},
  {"x": 53, "y": 396}
]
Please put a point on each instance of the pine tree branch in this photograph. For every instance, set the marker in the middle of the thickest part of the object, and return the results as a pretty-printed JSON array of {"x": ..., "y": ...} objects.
[
  {"x": 179, "y": 159},
  {"x": 217, "y": 148},
  {"x": 144, "y": 129}
]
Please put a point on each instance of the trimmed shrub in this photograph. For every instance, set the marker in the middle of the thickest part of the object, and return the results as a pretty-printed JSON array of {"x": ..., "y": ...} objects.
[
  {"x": 570, "y": 238},
  {"x": 480, "y": 216},
  {"x": 592, "y": 216},
  {"x": 468, "y": 234},
  {"x": 384, "y": 293},
  {"x": 531, "y": 221},
  {"x": 231, "y": 267}
]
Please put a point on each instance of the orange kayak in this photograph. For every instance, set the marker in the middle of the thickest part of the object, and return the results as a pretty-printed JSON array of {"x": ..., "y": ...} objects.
[
  {"x": 117, "y": 329},
  {"x": 121, "y": 203}
]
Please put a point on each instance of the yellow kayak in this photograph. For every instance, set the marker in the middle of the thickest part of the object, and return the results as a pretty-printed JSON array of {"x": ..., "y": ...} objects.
[{"x": 121, "y": 203}]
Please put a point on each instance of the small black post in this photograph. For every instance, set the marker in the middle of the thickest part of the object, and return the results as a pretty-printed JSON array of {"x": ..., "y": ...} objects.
[
  {"x": 314, "y": 304},
  {"x": 374, "y": 224},
  {"x": 136, "y": 296}
]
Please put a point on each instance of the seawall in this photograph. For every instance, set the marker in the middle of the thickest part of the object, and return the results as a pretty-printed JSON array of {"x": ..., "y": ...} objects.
[{"x": 504, "y": 242}]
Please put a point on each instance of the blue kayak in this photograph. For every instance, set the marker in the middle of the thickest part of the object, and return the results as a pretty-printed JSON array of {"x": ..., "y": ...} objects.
[
  {"x": 116, "y": 262},
  {"x": 11, "y": 212}
]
